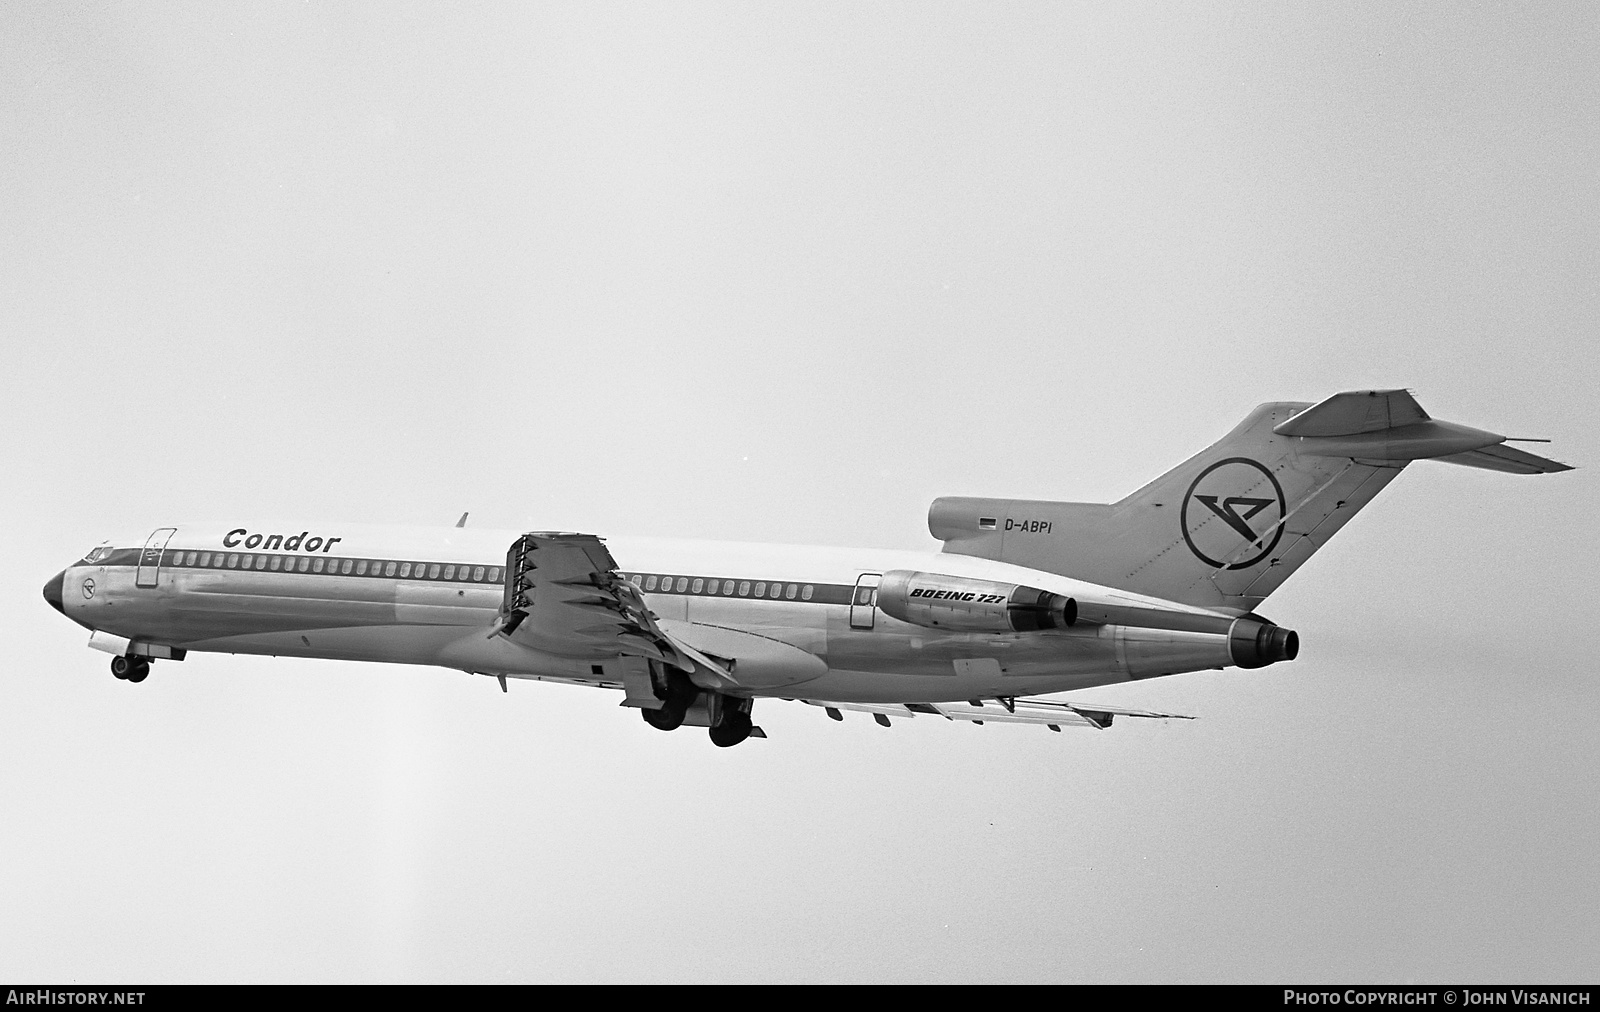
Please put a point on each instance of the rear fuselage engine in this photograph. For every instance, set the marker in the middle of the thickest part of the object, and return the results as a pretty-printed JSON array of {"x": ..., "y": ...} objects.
[{"x": 961, "y": 603}]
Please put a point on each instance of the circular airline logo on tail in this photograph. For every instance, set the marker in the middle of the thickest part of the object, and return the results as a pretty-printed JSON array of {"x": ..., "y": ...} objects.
[{"x": 1231, "y": 514}]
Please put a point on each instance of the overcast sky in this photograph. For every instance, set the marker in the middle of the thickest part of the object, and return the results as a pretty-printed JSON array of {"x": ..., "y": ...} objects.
[{"x": 786, "y": 273}]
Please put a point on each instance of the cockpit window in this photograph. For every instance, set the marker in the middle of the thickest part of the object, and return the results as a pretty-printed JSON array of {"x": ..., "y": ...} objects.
[{"x": 97, "y": 553}]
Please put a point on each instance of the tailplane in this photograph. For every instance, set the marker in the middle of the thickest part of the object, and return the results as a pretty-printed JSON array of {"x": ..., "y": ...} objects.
[{"x": 1227, "y": 526}]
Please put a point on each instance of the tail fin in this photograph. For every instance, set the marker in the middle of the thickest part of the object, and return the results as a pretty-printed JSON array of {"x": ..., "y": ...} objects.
[{"x": 1226, "y": 527}]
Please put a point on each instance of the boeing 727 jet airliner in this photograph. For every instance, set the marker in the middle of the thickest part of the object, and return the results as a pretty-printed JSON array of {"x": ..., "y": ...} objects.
[{"x": 1026, "y": 597}]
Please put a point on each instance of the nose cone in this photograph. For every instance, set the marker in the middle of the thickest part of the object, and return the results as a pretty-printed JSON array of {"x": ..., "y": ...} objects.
[{"x": 52, "y": 591}]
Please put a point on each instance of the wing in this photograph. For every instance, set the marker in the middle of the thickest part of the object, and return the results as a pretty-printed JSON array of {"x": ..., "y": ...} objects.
[
  {"x": 1051, "y": 713},
  {"x": 563, "y": 596}
]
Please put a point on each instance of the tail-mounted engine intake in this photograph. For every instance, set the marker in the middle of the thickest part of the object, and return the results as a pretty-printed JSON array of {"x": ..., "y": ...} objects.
[
  {"x": 1255, "y": 643},
  {"x": 960, "y": 603}
]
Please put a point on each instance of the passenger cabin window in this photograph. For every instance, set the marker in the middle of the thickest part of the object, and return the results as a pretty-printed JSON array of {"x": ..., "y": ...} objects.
[
  {"x": 477, "y": 574},
  {"x": 683, "y": 584},
  {"x": 727, "y": 588},
  {"x": 805, "y": 595},
  {"x": 761, "y": 589},
  {"x": 494, "y": 573},
  {"x": 650, "y": 583},
  {"x": 744, "y": 588},
  {"x": 791, "y": 591},
  {"x": 695, "y": 587}
]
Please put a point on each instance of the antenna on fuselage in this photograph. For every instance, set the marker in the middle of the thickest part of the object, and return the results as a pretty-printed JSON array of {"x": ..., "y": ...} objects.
[{"x": 463, "y": 521}]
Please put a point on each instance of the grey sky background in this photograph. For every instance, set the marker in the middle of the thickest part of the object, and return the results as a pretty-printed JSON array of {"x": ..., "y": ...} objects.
[{"x": 786, "y": 273}]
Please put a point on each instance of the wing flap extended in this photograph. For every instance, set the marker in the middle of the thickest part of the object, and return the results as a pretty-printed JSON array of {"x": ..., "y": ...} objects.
[
  {"x": 563, "y": 596},
  {"x": 1048, "y": 712}
]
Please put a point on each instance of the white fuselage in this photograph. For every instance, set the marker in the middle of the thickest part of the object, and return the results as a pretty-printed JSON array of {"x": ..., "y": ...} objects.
[{"x": 432, "y": 595}]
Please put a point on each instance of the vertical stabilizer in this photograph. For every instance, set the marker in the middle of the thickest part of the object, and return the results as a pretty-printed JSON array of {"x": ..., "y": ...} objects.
[{"x": 1226, "y": 527}]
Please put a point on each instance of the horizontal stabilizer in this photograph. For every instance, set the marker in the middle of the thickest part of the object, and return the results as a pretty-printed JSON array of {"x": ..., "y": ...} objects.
[
  {"x": 1354, "y": 412},
  {"x": 1508, "y": 459},
  {"x": 1385, "y": 425}
]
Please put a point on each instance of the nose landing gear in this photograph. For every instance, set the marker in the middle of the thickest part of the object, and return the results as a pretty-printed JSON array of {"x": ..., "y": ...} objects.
[{"x": 130, "y": 669}]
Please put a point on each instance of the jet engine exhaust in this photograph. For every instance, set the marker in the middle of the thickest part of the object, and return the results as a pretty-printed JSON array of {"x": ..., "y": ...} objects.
[{"x": 1255, "y": 643}]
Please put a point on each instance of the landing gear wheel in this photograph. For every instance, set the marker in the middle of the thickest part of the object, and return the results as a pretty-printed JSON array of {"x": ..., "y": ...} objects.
[
  {"x": 734, "y": 728},
  {"x": 680, "y": 693},
  {"x": 139, "y": 670},
  {"x": 665, "y": 719},
  {"x": 120, "y": 666}
]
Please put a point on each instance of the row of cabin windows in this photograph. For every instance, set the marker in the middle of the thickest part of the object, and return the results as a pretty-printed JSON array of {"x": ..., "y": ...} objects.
[
  {"x": 345, "y": 567},
  {"x": 726, "y": 588}
]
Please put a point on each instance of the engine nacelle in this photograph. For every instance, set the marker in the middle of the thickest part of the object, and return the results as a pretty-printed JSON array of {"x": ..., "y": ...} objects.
[
  {"x": 1255, "y": 643},
  {"x": 968, "y": 605}
]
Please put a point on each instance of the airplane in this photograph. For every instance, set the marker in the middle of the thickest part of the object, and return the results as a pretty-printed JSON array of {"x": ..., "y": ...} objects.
[{"x": 1026, "y": 597}]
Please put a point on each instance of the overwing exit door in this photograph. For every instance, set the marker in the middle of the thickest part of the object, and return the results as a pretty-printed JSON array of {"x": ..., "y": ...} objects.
[
  {"x": 864, "y": 603},
  {"x": 150, "y": 556}
]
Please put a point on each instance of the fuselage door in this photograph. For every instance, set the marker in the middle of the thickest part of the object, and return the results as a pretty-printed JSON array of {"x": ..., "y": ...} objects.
[
  {"x": 150, "y": 556},
  {"x": 864, "y": 605}
]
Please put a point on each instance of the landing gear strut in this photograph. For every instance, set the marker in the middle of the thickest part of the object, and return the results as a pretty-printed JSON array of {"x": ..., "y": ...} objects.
[{"x": 130, "y": 669}]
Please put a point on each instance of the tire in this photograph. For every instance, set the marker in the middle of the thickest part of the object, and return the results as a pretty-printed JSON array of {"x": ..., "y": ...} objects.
[
  {"x": 139, "y": 670},
  {"x": 668, "y": 718},
  {"x": 120, "y": 666},
  {"x": 680, "y": 695},
  {"x": 735, "y": 727}
]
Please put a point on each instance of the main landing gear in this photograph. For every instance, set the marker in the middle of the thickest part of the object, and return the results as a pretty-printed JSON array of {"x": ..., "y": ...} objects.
[
  {"x": 729, "y": 715},
  {"x": 733, "y": 725},
  {"x": 130, "y": 669},
  {"x": 677, "y": 696}
]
